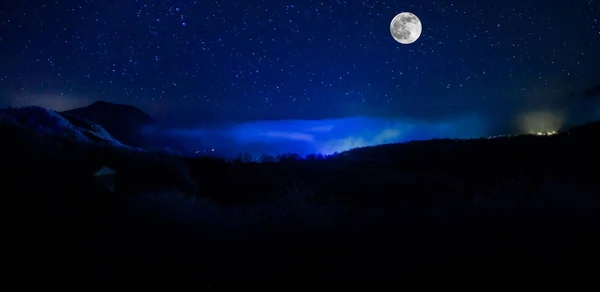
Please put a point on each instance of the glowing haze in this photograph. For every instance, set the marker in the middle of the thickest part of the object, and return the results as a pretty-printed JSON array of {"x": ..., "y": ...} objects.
[
  {"x": 320, "y": 136},
  {"x": 327, "y": 136}
]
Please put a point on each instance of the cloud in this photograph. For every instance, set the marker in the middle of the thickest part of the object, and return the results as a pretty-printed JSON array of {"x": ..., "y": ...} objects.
[
  {"x": 297, "y": 136},
  {"x": 323, "y": 136}
]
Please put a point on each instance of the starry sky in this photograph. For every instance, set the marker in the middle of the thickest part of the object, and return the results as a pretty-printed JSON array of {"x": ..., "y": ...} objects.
[{"x": 200, "y": 62}]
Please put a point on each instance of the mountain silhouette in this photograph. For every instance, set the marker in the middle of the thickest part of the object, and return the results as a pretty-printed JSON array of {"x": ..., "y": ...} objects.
[
  {"x": 128, "y": 124},
  {"x": 124, "y": 122},
  {"x": 50, "y": 123}
]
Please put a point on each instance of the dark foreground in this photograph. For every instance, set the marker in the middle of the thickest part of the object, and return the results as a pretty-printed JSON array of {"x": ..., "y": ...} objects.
[
  {"x": 381, "y": 252},
  {"x": 94, "y": 247},
  {"x": 473, "y": 213}
]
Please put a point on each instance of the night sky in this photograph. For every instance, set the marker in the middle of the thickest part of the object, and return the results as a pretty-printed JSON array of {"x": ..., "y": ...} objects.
[{"x": 197, "y": 62}]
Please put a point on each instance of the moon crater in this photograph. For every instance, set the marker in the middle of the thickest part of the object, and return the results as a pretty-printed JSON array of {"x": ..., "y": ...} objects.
[{"x": 406, "y": 28}]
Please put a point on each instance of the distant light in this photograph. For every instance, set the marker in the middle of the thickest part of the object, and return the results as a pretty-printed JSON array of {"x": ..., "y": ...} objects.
[
  {"x": 213, "y": 150},
  {"x": 546, "y": 133}
]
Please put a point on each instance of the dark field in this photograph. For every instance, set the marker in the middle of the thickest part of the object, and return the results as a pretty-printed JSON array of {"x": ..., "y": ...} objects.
[{"x": 507, "y": 209}]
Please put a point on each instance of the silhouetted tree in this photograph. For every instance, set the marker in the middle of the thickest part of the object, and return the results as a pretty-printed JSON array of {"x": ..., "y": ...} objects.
[
  {"x": 314, "y": 156},
  {"x": 289, "y": 157},
  {"x": 265, "y": 158},
  {"x": 311, "y": 157},
  {"x": 243, "y": 158}
]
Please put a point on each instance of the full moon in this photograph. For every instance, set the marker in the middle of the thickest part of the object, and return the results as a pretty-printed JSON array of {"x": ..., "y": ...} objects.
[{"x": 406, "y": 28}]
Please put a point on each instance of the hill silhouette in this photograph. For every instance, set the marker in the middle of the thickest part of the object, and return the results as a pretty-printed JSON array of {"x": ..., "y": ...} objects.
[
  {"x": 128, "y": 124},
  {"x": 63, "y": 150},
  {"x": 124, "y": 122},
  {"x": 442, "y": 202},
  {"x": 51, "y": 123}
]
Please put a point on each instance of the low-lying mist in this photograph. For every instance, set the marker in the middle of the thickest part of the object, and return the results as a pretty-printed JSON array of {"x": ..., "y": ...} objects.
[{"x": 318, "y": 136}]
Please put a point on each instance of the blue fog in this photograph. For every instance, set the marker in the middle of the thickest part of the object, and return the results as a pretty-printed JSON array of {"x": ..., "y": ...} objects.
[{"x": 319, "y": 136}]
